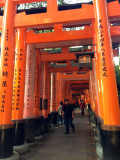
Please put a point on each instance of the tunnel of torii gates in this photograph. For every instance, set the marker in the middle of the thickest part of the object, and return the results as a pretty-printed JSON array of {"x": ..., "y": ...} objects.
[{"x": 33, "y": 81}]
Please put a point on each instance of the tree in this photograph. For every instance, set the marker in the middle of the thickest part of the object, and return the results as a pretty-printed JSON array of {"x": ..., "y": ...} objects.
[{"x": 32, "y": 5}]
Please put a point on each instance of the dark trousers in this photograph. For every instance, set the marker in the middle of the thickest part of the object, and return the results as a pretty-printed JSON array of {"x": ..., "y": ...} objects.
[
  {"x": 82, "y": 112},
  {"x": 60, "y": 119},
  {"x": 67, "y": 122}
]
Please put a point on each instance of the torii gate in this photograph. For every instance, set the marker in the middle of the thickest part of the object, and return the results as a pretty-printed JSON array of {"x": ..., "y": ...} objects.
[{"x": 107, "y": 108}]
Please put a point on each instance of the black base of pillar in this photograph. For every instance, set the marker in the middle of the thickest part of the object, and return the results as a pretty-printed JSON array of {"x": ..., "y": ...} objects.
[
  {"x": 98, "y": 122},
  {"x": 89, "y": 108},
  {"x": 46, "y": 125},
  {"x": 49, "y": 117},
  {"x": 29, "y": 130},
  {"x": 19, "y": 132},
  {"x": 37, "y": 127},
  {"x": 110, "y": 142},
  {"x": 6, "y": 140},
  {"x": 41, "y": 125},
  {"x": 54, "y": 118}
]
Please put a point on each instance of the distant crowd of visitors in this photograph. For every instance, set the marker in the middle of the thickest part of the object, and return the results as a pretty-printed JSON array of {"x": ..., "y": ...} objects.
[{"x": 66, "y": 113}]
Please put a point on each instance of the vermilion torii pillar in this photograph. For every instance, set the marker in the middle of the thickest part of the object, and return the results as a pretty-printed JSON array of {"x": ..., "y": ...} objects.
[
  {"x": 110, "y": 129},
  {"x": 86, "y": 96},
  {"x": 41, "y": 98},
  {"x": 58, "y": 90},
  {"x": 53, "y": 92},
  {"x": 37, "y": 94},
  {"x": 29, "y": 94},
  {"x": 37, "y": 85},
  {"x": 18, "y": 88},
  {"x": 96, "y": 68},
  {"x": 69, "y": 93},
  {"x": 96, "y": 63},
  {"x": 94, "y": 90},
  {"x": 45, "y": 96},
  {"x": 91, "y": 93},
  {"x": 53, "y": 98},
  {"x": 41, "y": 88},
  {"x": 61, "y": 90},
  {"x": 64, "y": 90},
  {"x": 6, "y": 80},
  {"x": 49, "y": 89}
]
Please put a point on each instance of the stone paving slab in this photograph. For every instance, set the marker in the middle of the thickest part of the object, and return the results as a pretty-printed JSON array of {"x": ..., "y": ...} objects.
[{"x": 58, "y": 146}]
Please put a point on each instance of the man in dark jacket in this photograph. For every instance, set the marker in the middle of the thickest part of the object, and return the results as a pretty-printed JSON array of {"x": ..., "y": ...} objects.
[{"x": 68, "y": 115}]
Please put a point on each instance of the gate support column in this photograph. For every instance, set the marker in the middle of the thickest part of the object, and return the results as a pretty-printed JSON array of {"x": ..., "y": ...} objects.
[
  {"x": 6, "y": 81},
  {"x": 49, "y": 88},
  {"x": 29, "y": 94},
  {"x": 45, "y": 96},
  {"x": 41, "y": 98},
  {"x": 37, "y": 94},
  {"x": 18, "y": 92},
  {"x": 110, "y": 129},
  {"x": 96, "y": 65},
  {"x": 61, "y": 91},
  {"x": 91, "y": 93},
  {"x": 54, "y": 112}
]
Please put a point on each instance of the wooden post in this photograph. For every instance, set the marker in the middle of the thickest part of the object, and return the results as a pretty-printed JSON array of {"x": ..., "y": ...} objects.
[
  {"x": 45, "y": 96},
  {"x": 19, "y": 87},
  {"x": 110, "y": 128},
  {"x": 6, "y": 80},
  {"x": 29, "y": 94}
]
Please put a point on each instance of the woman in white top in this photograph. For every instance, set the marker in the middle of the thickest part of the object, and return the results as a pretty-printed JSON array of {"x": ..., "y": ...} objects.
[{"x": 60, "y": 113}]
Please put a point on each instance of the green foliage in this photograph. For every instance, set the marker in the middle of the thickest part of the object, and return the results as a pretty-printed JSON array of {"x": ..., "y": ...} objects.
[{"x": 117, "y": 70}]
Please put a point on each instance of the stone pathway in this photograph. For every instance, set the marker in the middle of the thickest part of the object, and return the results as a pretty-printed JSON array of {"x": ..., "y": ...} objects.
[{"x": 58, "y": 146}]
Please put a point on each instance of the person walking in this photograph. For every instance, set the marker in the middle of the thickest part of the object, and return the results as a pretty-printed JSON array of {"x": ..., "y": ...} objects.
[
  {"x": 68, "y": 115},
  {"x": 60, "y": 108},
  {"x": 82, "y": 107}
]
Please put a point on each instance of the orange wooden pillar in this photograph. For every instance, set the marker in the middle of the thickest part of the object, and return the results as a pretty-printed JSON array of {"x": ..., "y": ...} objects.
[
  {"x": 57, "y": 91},
  {"x": 86, "y": 96},
  {"x": 37, "y": 94},
  {"x": 61, "y": 90},
  {"x": 45, "y": 96},
  {"x": 110, "y": 129},
  {"x": 53, "y": 92},
  {"x": 97, "y": 103},
  {"x": 18, "y": 87},
  {"x": 67, "y": 90},
  {"x": 37, "y": 85},
  {"x": 6, "y": 80},
  {"x": 96, "y": 64},
  {"x": 28, "y": 112},
  {"x": 69, "y": 93},
  {"x": 41, "y": 89},
  {"x": 53, "y": 98},
  {"x": 91, "y": 92},
  {"x": 49, "y": 86},
  {"x": 97, "y": 111},
  {"x": 64, "y": 90},
  {"x": 49, "y": 91},
  {"x": 41, "y": 98}
]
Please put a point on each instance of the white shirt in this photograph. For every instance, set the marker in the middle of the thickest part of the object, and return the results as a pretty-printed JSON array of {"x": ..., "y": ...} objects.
[{"x": 60, "y": 109}]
